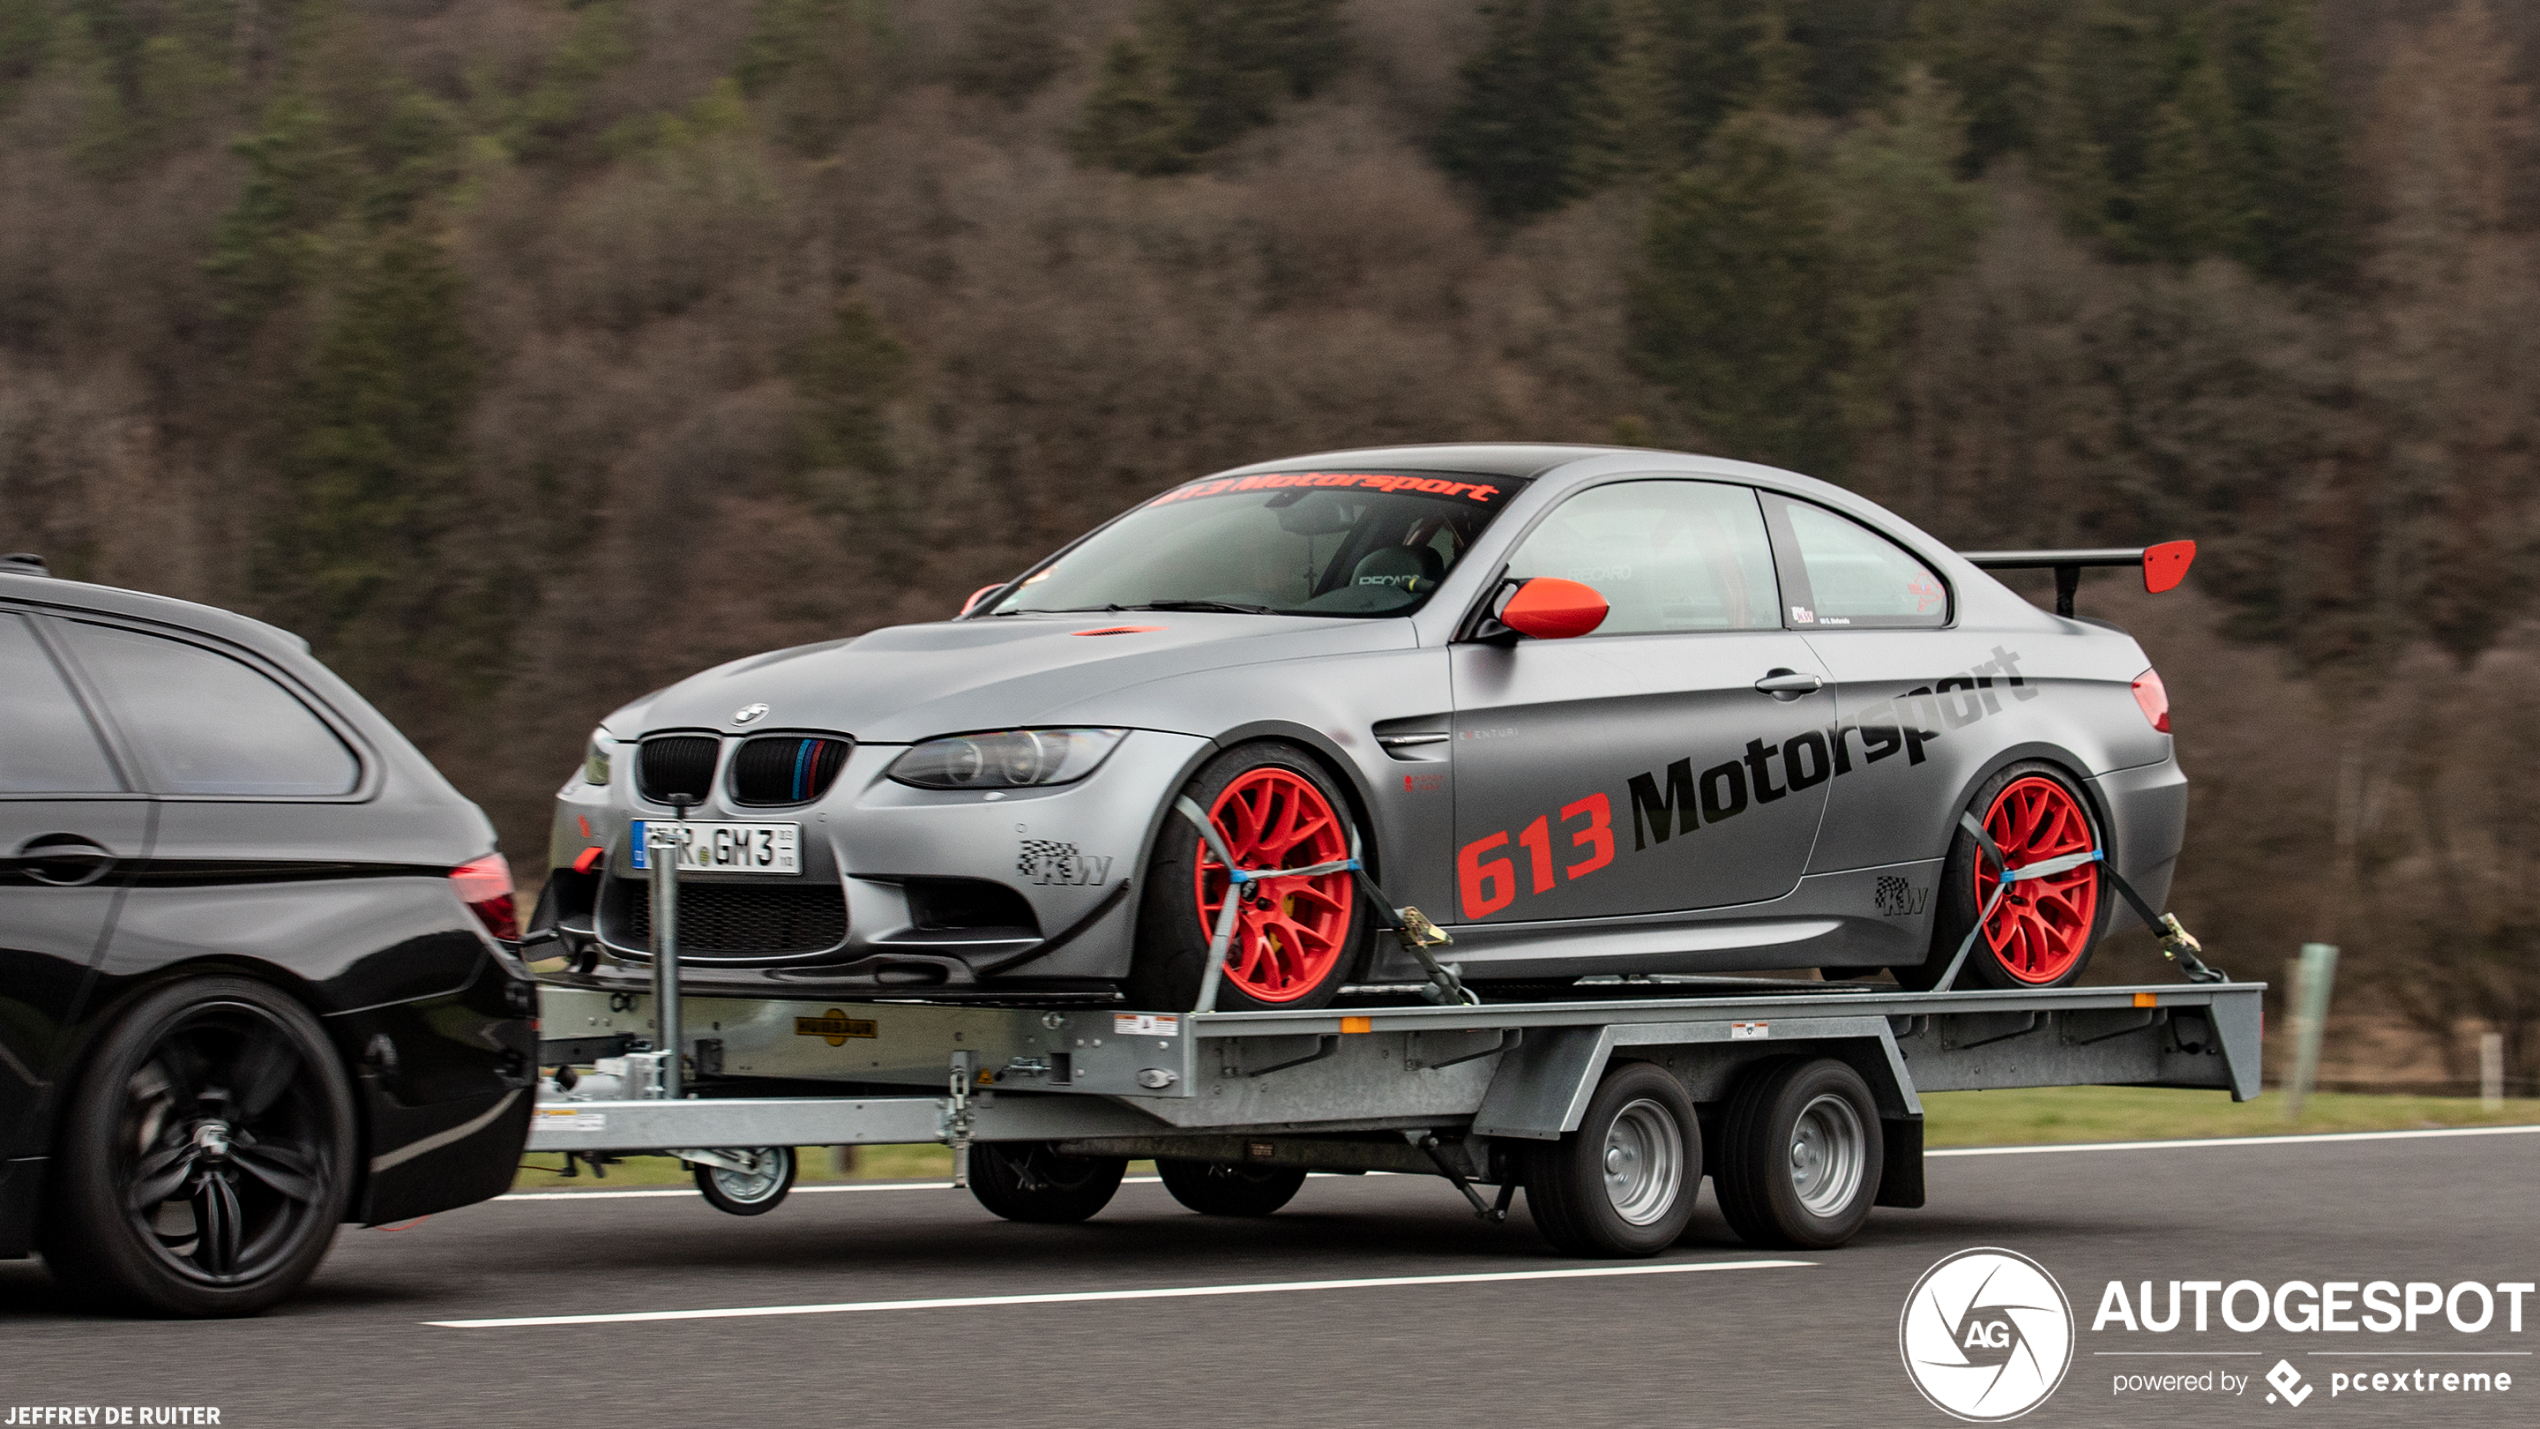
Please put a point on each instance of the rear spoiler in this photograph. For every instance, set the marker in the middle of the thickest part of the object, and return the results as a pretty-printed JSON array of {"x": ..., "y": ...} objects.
[{"x": 2164, "y": 565}]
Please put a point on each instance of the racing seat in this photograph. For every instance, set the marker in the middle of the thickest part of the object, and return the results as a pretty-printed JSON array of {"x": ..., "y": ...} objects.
[{"x": 1414, "y": 570}]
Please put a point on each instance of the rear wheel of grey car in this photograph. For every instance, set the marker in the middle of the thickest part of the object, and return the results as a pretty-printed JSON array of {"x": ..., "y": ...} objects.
[
  {"x": 1296, "y": 939},
  {"x": 2041, "y": 930},
  {"x": 205, "y": 1156},
  {"x": 1624, "y": 1183},
  {"x": 1230, "y": 1188},
  {"x": 1030, "y": 1181},
  {"x": 1800, "y": 1154}
]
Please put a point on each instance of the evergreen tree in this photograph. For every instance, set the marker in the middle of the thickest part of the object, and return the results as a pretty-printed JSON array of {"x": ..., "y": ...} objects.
[
  {"x": 1197, "y": 74},
  {"x": 1526, "y": 131}
]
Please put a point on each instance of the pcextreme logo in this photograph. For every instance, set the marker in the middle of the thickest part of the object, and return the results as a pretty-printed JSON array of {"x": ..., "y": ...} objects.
[{"x": 1986, "y": 1335}]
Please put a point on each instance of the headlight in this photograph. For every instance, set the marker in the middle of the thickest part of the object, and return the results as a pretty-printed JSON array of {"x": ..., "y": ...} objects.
[
  {"x": 596, "y": 759},
  {"x": 1006, "y": 759}
]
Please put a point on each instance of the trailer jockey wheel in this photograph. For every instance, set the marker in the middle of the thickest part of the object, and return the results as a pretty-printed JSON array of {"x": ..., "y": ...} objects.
[
  {"x": 1230, "y": 1188},
  {"x": 752, "y": 1192},
  {"x": 1624, "y": 1183},
  {"x": 1030, "y": 1181},
  {"x": 1801, "y": 1154}
]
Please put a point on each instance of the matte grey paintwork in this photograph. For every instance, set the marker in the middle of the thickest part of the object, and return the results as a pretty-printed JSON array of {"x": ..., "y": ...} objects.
[{"x": 1797, "y": 886}]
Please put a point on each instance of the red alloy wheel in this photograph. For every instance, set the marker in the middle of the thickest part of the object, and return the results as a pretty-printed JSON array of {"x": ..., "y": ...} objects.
[
  {"x": 1290, "y": 931},
  {"x": 2043, "y": 926}
]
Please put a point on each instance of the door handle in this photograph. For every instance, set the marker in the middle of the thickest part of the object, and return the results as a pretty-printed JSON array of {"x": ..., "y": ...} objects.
[
  {"x": 1788, "y": 685},
  {"x": 64, "y": 860}
]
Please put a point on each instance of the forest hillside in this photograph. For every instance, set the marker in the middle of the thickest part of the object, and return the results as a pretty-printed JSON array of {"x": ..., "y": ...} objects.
[{"x": 528, "y": 354}]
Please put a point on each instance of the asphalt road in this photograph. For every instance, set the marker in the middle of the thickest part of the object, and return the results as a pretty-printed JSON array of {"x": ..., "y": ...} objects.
[{"x": 1807, "y": 1344}]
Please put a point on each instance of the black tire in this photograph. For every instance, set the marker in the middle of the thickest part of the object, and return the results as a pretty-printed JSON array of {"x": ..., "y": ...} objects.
[
  {"x": 1172, "y": 945},
  {"x": 741, "y": 1193},
  {"x": 223, "y": 1091},
  {"x": 1230, "y": 1188},
  {"x": 1800, "y": 1154},
  {"x": 1027, "y": 1181},
  {"x": 1957, "y": 899},
  {"x": 1624, "y": 1183}
]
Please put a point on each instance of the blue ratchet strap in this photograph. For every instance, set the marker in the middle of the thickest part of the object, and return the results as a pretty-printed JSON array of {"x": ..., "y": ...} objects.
[
  {"x": 1222, "y": 938},
  {"x": 2176, "y": 943}
]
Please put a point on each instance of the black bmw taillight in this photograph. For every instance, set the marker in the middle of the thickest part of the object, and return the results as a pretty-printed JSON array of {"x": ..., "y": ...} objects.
[
  {"x": 787, "y": 768},
  {"x": 677, "y": 764}
]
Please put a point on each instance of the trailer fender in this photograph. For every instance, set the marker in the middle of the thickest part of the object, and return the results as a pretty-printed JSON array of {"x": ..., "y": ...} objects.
[{"x": 1541, "y": 1091}]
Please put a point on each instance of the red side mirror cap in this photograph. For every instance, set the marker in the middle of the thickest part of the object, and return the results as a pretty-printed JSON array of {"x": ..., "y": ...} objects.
[
  {"x": 1548, "y": 608},
  {"x": 2165, "y": 565}
]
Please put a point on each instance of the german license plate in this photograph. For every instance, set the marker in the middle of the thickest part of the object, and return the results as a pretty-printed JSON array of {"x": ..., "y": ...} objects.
[{"x": 733, "y": 848}]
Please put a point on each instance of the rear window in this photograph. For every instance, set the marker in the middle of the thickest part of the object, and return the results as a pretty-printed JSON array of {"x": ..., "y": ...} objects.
[
  {"x": 203, "y": 723},
  {"x": 1853, "y": 576}
]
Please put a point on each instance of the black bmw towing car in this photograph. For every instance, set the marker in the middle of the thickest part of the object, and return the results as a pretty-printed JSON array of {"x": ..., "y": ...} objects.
[{"x": 254, "y": 980}]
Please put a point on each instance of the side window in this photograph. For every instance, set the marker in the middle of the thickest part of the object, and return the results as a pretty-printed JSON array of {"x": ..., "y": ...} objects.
[
  {"x": 203, "y": 723},
  {"x": 1666, "y": 555},
  {"x": 50, "y": 747},
  {"x": 1857, "y": 577}
]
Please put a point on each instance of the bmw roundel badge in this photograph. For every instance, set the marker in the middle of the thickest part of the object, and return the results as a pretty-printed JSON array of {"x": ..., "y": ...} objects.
[{"x": 749, "y": 714}]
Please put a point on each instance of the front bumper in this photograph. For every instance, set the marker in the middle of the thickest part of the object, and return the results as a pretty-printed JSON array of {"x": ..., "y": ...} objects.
[{"x": 940, "y": 890}]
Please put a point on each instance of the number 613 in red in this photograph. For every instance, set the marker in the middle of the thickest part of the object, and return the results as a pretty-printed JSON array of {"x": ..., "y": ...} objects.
[{"x": 1487, "y": 881}]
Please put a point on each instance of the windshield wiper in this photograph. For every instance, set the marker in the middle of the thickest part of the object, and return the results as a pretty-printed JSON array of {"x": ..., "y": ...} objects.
[{"x": 1227, "y": 606}]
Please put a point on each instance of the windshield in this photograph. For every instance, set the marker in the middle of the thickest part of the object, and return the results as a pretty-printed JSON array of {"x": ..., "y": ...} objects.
[{"x": 1286, "y": 543}]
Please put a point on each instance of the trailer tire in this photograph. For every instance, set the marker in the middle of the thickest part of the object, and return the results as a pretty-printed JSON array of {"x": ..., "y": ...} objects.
[
  {"x": 1030, "y": 1181},
  {"x": 1624, "y": 1183},
  {"x": 742, "y": 1193},
  {"x": 1230, "y": 1188},
  {"x": 1800, "y": 1154}
]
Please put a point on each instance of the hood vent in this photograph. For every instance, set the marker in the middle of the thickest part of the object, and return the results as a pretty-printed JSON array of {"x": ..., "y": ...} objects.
[
  {"x": 787, "y": 768},
  {"x": 676, "y": 764}
]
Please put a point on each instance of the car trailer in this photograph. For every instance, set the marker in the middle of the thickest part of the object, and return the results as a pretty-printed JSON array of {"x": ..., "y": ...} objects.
[{"x": 1802, "y": 1100}]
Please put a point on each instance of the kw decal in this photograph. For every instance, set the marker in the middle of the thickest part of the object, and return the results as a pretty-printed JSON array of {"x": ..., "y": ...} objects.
[
  {"x": 1046, "y": 861},
  {"x": 1677, "y": 800},
  {"x": 834, "y": 1026},
  {"x": 1895, "y": 898}
]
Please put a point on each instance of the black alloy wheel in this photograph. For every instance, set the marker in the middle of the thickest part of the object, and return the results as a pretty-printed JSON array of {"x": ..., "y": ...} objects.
[
  {"x": 1801, "y": 1154},
  {"x": 1030, "y": 1181},
  {"x": 206, "y": 1154},
  {"x": 1230, "y": 1188},
  {"x": 1624, "y": 1183}
]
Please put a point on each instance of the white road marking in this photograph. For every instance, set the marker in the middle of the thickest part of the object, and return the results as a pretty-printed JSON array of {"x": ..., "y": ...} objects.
[
  {"x": 968, "y": 1302},
  {"x": 2307, "y": 1138}
]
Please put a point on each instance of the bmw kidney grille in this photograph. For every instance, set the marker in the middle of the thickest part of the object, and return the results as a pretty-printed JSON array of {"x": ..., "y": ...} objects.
[
  {"x": 787, "y": 768},
  {"x": 677, "y": 764}
]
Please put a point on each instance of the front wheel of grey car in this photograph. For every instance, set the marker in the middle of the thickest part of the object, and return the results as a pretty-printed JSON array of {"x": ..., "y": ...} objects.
[
  {"x": 206, "y": 1154},
  {"x": 1295, "y": 937}
]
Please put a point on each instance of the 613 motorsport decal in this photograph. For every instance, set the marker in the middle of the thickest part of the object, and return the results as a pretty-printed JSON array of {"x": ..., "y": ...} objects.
[{"x": 1677, "y": 800}]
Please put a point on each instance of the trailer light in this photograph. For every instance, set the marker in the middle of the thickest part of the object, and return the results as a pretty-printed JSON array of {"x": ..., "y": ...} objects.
[
  {"x": 485, "y": 886},
  {"x": 2154, "y": 697},
  {"x": 1006, "y": 759}
]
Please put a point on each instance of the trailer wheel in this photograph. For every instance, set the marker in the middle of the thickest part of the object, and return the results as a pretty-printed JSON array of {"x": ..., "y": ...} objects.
[
  {"x": 1230, "y": 1188},
  {"x": 1802, "y": 1154},
  {"x": 1624, "y": 1183},
  {"x": 1030, "y": 1181},
  {"x": 754, "y": 1192}
]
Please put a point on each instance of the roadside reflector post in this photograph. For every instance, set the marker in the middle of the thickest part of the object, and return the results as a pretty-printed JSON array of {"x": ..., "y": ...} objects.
[
  {"x": 662, "y": 845},
  {"x": 2491, "y": 1071},
  {"x": 2313, "y": 978}
]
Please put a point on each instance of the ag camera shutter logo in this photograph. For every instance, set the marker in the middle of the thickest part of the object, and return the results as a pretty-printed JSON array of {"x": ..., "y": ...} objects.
[{"x": 1986, "y": 1335}]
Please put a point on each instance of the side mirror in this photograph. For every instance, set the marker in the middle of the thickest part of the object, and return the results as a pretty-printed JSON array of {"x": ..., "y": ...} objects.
[
  {"x": 1548, "y": 608},
  {"x": 982, "y": 593}
]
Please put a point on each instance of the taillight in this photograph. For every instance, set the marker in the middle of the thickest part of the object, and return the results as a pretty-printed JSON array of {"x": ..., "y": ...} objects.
[
  {"x": 485, "y": 886},
  {"x": 2155, "y": 699}
]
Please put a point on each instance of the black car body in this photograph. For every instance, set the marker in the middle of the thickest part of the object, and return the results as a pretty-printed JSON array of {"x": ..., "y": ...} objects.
[{"x": 187, "y": 794}]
